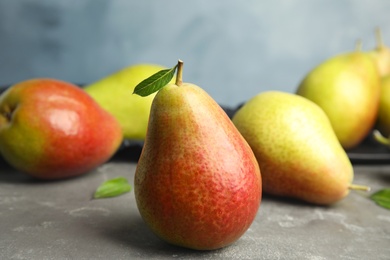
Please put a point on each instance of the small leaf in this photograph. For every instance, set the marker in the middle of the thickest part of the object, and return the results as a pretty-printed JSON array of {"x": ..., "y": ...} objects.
[
  {"x": 382, "y": 198},
  {"x": 112, "y": 188},
  {"x": 154, "y": 82}
]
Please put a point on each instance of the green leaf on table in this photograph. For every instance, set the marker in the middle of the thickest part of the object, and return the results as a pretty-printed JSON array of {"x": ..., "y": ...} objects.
[
  {"x": 112, "y": 188},
  {"x": 382, "y": 198},
  {"x": 155, "y": 82}
]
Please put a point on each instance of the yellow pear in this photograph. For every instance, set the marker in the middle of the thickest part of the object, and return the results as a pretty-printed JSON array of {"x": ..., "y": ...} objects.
[
  {"x": 298, "y": 152},
  {"x": 347, "y": 88},
  {"x": 114, "y": 94}
]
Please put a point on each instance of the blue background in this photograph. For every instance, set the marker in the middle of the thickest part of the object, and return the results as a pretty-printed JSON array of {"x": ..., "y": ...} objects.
[{"x": 232, "y": 49}]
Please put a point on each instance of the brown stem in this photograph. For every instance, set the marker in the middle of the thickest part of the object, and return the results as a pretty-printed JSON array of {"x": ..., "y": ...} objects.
[
  {"x": 358, "y": 187},
  {"x": 379, "y": 39},
  {"x": 179, "y": 73}
]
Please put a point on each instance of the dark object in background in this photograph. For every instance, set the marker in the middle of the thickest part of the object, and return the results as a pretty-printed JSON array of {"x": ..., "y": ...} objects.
[{"x": 367, "y": 152}]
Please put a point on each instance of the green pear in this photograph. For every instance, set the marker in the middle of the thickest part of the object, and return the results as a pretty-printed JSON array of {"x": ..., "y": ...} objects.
[
  {"x": 114, "y": 93},
  {"x": 347, "y": 88},
  {"x": 381, "y": 55},
  {"x": 197, "y": 182},
  {"x": 297, "y": 150}
]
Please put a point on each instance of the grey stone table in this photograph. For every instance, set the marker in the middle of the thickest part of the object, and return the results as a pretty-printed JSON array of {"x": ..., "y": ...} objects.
[{"x": 59, "y": 220}]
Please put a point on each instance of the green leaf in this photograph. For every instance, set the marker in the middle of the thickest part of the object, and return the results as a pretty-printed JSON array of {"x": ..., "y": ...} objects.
[
  {"x": 112, "y": 188},
  {"x": 382, "y": 198},
  {"x": 155, "y": 82}
]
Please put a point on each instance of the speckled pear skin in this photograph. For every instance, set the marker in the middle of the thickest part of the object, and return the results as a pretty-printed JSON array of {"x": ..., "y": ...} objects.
[
  {"x": 51, "y": 129},
  {"x": 297, "y": 150},
  {"x": 347, "y": 88},
  {"x": 197, "y": 182}
]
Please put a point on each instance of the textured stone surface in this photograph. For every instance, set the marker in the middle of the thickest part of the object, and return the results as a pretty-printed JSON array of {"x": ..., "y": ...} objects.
[{"x": 59, "y": 220}]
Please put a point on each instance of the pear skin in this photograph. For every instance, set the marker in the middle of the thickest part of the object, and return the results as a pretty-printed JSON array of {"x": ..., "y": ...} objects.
[
  {"x": 383, "y": 121},
  {"x": 197, "y": 182},
  {"x": 347, "y": 88},
  {"x": 296, "y": 147},
  {"x": 114, "y": 94},
  {"x": 51, "y": 129}
]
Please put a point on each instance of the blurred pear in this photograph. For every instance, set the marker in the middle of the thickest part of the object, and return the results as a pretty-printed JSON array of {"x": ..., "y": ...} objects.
[
  {"x": 115, "y": 94},
  {"x": 381, "y": 54},
  {"x": 383, "y": 121},
  {"x": 347, "y": 88}
]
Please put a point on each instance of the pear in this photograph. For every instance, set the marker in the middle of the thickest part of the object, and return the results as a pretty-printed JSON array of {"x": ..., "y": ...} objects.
[
  {"x": 298, "y": 152},
  {"x": 347, "y": 88},
  {"x": 383, "y": 120},
  {"x": 197, "y": 182},
  {"x": 52, "y": 129},
  {"x": 381, "y": 55},
  {"x": 114, "y": 94}
]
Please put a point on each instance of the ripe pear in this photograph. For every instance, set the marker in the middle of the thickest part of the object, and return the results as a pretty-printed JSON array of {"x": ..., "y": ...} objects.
[
  {"x": 52, "y": 129},
  {"x": 114, "y": 93},
  {"x": 383, "y": 120},
  {"x": 347, "y": 88},
  {"x": 381, "y": 55},
  {"x": 197, "y": 182},
  {"x": 297, "y": 150}
]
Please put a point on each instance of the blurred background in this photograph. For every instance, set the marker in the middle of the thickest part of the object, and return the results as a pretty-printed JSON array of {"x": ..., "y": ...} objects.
[{"x": 232, "y": 49}]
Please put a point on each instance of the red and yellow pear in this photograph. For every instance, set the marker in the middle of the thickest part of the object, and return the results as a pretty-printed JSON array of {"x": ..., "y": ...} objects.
[
  {"x": 197, "y": 182},
  {"x": 51, "y": 129}
]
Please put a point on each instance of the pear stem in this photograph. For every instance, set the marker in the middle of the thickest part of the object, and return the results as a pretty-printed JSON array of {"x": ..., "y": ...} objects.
[
  {"x": 358, "y": 46},
  {"x": 380, "y": 138},
  {"x": 179, "y": 73},
  {"x": 379, "y": 38},
  {"x": 358, "y": 187}
]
